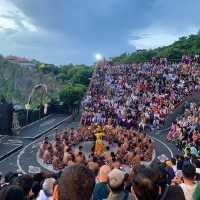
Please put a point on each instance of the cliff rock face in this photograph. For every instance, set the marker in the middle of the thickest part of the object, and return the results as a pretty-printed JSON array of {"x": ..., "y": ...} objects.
[{"x": 16, "y": 82}]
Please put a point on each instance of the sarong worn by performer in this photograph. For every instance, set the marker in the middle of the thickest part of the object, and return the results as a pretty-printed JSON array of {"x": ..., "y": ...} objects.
[{"x": 99, "y": 146}]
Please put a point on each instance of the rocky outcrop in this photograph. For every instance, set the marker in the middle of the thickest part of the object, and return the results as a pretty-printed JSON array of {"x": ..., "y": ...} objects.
[{"x": 16, "y": 82}]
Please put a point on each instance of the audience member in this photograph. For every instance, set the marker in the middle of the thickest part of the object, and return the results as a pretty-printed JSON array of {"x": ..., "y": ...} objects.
[
  {"x": 101, "y": 189},
  {"x": 12, "y": 192},
  {"x": 116, "y": 180},
  {"x": 47, "y": 189},
  {"x": 76, "y": 182},
  {"x": 25, "y": 182}
]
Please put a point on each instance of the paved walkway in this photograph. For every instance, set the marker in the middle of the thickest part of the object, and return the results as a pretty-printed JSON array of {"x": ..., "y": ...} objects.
[
  {"x": 10, "y": 163},
  {"x": 37, "y": 129}
]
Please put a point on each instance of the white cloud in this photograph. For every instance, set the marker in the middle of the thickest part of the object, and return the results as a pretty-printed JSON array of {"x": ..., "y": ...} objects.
[
  {"x": 13, "y": 18},
  {"x": 154, "y": 37},
  {"x": 7, "y": 23},
  {"x": 29, "y": 26}
]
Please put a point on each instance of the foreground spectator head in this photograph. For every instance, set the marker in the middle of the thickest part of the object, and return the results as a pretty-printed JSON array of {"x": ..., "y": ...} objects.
[
  {"x": 189, "y": 185},
  {"x": 12, "y": 193},
  {"x": 116, "y": 180},
  {"x": 39, "y": 177},
  {"x": 189, "y": 171},
  {"x": 103, "y": 173},
  {"x": 47, "y": 189},
  {"x": 145, "y": 183},
  {"x": 101, "y": 190},
  {"x": 77, "y": 183},
  {"x": 173, "y": 160},
  {"x": 48, "y": 185},
  {"x": 36, "y": 189},
  {"x": 25, "y": 182}
]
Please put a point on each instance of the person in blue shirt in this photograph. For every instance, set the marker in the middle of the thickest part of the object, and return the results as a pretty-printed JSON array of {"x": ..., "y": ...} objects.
[{"x": 101, "y": 190}]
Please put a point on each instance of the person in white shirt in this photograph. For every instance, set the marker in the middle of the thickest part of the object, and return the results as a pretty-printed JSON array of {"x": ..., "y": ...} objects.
[
  {"x": 174, "y": 167},
  {"x": 47, "y": 189},
  {"x": 189, "y": 184}
]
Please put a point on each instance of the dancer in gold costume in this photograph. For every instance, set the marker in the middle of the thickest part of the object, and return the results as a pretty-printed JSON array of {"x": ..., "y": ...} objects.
[{"x": 99, "y": 146}]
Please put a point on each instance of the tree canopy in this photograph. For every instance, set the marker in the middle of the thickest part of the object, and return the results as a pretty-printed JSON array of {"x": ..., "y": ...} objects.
[
  {"x": 72, "y": 94},
  {"x": 189, "y": 45},
  {"x": 69, "y": 82},
  {"x": 74, "y": 78}
]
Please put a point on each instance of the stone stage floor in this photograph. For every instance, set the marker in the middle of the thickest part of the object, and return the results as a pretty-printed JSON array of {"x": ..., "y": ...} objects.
[{"x": 26, "y": 160}]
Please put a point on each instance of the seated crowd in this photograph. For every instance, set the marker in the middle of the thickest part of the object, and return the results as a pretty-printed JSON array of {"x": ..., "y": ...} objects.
[
  {"x": 124, "y": 147},
  {"x": 185, "y": 131},
  {"x": 122, "y": 100},
  {"x": 138, "y": 94}
]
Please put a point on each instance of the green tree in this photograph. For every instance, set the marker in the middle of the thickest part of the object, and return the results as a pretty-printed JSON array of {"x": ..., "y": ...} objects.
[
  {"x": 189, "y": 45},
  {"x": 48, "y": 68},
  {"x": 72, "y": 94},
  {"x": 76, "y": 74},
  {"x": 82, "y": 76}
]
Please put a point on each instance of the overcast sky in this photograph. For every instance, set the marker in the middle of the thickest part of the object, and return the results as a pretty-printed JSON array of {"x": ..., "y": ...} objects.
[{"x": 64, "y": 31}]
